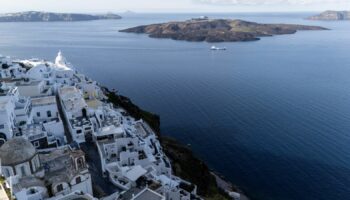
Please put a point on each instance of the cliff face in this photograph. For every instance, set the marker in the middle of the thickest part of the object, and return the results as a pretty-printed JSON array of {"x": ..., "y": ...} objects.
[
  {"x": 33, "y": 16},
  {"x": 184, "y": 163},
  {"x": 332, "y": 16},
  {"x": 220, "y": 30}
]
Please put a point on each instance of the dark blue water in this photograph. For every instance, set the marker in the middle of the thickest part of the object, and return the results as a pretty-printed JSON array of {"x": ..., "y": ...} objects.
[{"x": 273, "y": 116}]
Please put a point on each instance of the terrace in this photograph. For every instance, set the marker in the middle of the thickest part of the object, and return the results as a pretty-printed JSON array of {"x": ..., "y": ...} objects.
[
  {"x": 35, "y": 132},
  {"x": 8, "y": 91},
  {"x": 108, "y": 132},
  {"x": 80, "y": 122},
  {"x": 43, "y": 101},
  {"x": 111, "y": 120}
]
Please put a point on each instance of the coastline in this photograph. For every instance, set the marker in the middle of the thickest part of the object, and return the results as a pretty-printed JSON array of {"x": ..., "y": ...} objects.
[
  {"x": 186, "y": 165},
  {"x": 227, "y": 186}
]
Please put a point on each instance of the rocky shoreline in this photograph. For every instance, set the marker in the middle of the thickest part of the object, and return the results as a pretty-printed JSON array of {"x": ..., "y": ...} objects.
[
  {"x": 228, "y": 186},
  {"x": 217, "y": 30}
]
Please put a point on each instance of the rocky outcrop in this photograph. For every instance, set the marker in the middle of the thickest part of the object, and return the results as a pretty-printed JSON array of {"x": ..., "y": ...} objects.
[
  {"x": 33, "y": 16},
  {"x": 331, "y": 15},
  {"x": 218, "y": 30}
]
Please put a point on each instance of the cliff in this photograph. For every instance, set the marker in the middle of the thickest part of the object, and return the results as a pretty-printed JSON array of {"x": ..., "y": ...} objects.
[
  {"x": 33, "y": 16},
  {"x": 217, "y": 30},
  {"x": 331, "y": 15},
  {"x": 184, "y": 163}
]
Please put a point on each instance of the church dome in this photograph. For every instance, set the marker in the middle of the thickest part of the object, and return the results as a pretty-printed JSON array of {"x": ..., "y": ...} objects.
[{"x": 16, "y": 151}]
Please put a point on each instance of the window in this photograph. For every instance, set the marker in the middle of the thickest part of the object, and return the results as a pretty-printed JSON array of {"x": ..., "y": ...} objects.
[
  {"x": 7, "y": 172},
  {"x": 2, "y": 126},
  {"x": 79, "y": 131},
  {"x": 80, "y": 163},
  {"x": 59, "y": 187},
  {"x": 38, "y": 114},
  {"x": 36, "y": 144},
  {"x": 49, "y": 114},
  {"x": 23, "y": 170},
  {"x": 78, "y": 180},
  {"x": 36, "y": 162}
]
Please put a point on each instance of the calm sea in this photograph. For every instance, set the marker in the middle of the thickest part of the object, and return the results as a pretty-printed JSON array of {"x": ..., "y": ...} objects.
[{"x": 273, "y": 116}]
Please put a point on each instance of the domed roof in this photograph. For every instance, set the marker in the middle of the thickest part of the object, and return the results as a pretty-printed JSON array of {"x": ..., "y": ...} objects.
[
  {"x": 36, "y": 71},
  {"x": 15, "y": 151}
]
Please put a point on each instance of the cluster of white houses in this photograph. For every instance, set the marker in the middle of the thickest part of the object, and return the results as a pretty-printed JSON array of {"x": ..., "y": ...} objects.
[{"x": 48, "y": 112}]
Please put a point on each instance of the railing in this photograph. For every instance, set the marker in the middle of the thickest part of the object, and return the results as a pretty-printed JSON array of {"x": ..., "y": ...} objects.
[{"x": 37, "y": 136}]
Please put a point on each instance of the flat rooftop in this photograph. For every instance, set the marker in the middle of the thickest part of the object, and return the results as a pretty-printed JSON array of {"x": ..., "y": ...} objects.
[
  {"x": 94, "y": 103},
  {"x": 68, "y": 90},
  {"x": 148, "y": 195},
  {"x": 44, "y": 101},
  {"x": 109, "y": 130},
  {"x": 27, "y": 83}
]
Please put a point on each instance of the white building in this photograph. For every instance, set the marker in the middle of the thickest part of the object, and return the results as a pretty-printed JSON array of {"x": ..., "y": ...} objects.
[
  {"x": 23, "y": 110},
  {"x": 39, "y": 136},
  {"x": 44, "y": 109},
  {"x": 59, "y": 72},
  {"x": 38, "y": 70},
  {"x": 73, "y": 102},
  {"x": 33, "y": 88},
  {"x": 7, "y": 112},
  {"x": 42, "y": 126},
  {"x": 9, "y": 69},
  {"x": 42, "y": 103},
  {"x": 76, "y": 113}
]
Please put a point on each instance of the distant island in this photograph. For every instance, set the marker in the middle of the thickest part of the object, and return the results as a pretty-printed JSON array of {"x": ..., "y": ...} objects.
[
  {"x": 331, "y": 15},
  {"x": 34, "y": 16},
  {"x": 217, "y": 30}
]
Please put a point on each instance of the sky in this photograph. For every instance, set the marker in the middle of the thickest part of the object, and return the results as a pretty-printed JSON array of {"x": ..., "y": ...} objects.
[{"x": 89, "y": 6}]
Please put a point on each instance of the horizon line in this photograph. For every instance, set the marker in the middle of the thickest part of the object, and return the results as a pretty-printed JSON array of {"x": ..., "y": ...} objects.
[{"x": 130, "y": 12}]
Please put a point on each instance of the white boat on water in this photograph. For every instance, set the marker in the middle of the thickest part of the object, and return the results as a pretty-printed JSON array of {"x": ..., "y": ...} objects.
[{"x": 214, "y": 48}]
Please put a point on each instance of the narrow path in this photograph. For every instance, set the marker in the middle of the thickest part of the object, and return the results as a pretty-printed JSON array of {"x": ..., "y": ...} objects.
[
  {"x": 101, "y": 184},
  {"x": 64, "y": 121}
]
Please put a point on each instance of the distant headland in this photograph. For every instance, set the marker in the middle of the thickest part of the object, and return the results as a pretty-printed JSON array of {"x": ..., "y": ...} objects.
[
  {"x": 331, "y": 15},
  {"x": 217, "y": 30},
  {"x": 34, "y": 16}
]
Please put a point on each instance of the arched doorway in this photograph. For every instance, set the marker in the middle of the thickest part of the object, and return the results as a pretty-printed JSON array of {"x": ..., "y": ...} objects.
[
  {"x": 3, "y": 138},
  {"x": 84, "y": 112}
]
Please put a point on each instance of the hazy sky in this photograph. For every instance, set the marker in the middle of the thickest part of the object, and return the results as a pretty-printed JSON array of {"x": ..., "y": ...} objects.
[{"x": 172, "y": 5}]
